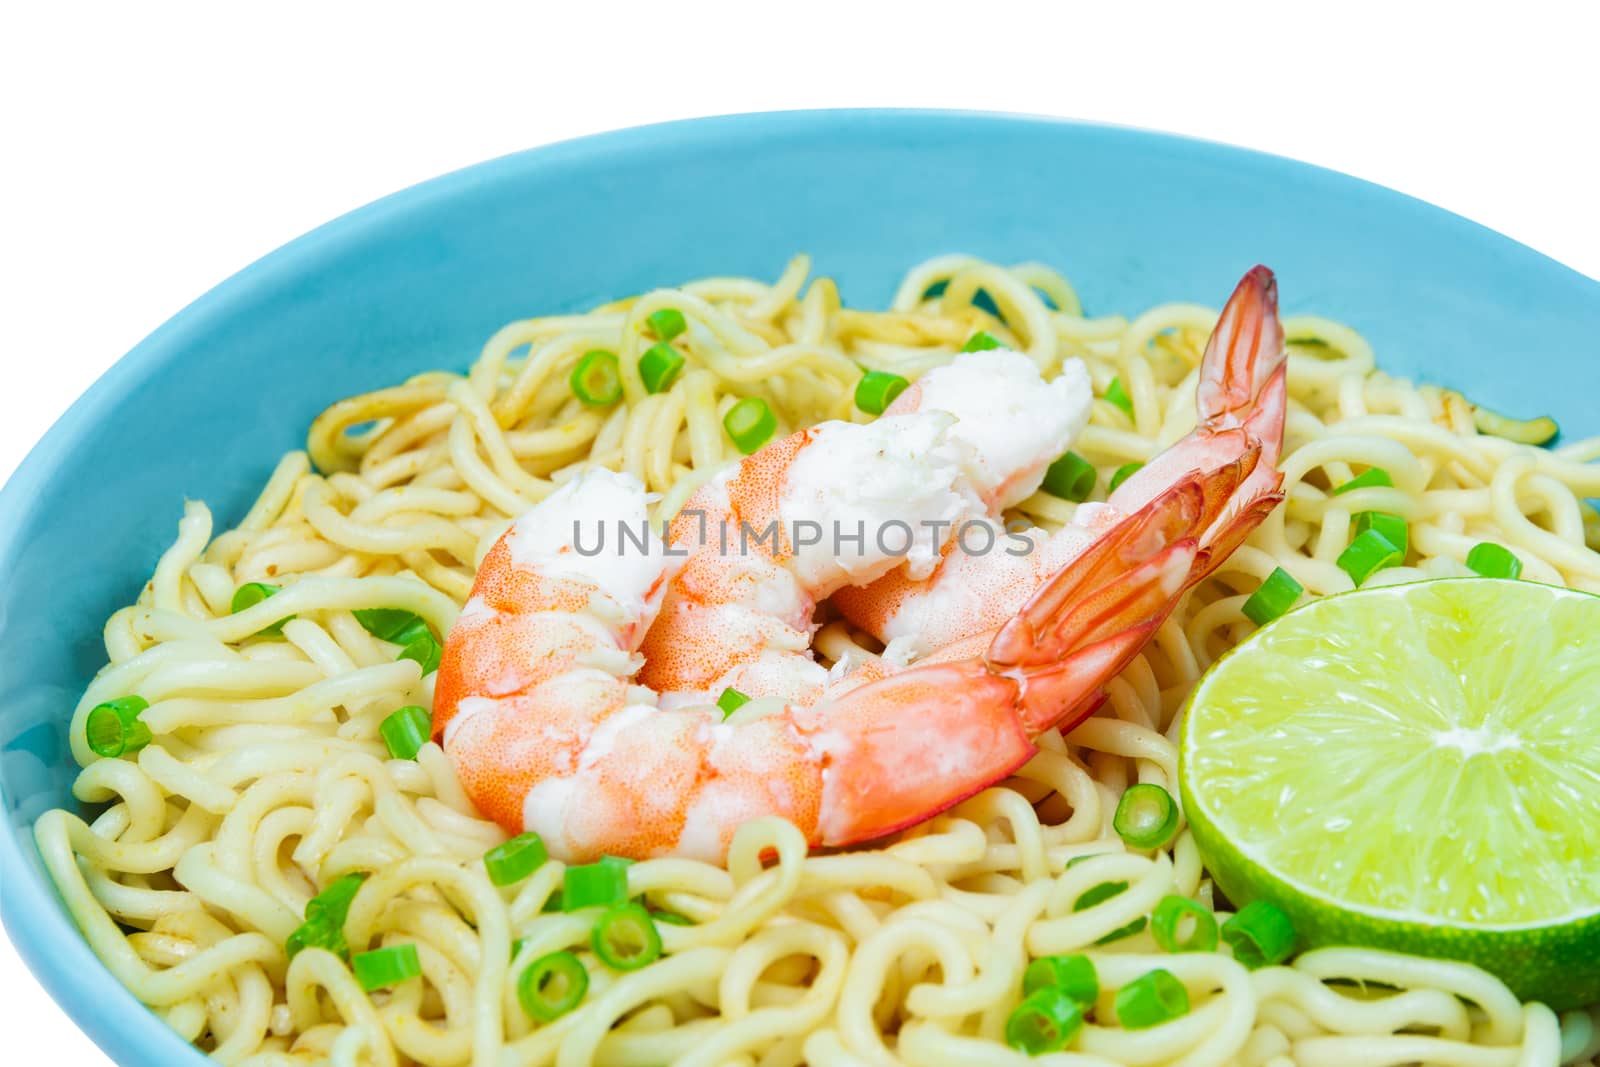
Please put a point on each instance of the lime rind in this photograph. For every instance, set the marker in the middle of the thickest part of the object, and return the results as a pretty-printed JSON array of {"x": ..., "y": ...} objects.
[{"x": 1417, "y": 768}]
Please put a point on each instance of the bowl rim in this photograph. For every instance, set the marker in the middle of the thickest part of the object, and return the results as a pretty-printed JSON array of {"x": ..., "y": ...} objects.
[{"x": 51, "y": 946}]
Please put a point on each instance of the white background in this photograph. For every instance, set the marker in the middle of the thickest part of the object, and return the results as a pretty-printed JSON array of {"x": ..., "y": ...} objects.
[{"x": 149, "y": 150}]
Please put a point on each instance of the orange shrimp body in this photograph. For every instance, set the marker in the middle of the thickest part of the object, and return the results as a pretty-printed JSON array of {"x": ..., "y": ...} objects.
[{"x": 576, "y": 693}]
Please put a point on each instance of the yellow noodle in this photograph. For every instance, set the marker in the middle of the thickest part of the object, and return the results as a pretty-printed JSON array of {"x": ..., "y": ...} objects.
[{"x": 268, "y": 777}]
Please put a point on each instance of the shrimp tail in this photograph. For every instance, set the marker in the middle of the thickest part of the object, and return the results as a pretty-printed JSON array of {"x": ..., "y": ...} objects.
[
  {"x": 1088, "y": 620},
  {"x": 1100, "y": 635},
  {"x": 1244, "y": 354}
]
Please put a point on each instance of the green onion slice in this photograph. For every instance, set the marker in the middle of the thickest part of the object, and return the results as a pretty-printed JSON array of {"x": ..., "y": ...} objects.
[
  {"x": 417, "y": 643},
  {"x": 1071, "y": 478},
  {"x": 877, "y": 389},
  {"x": 317, "y": 933},
  {"x": 1119, "y": 396},
  {"x": 1101, "y": 893},
  {"x": 626, "y": 938},
  {"x": 1146, "y": 816},
  {"x": 660, "y": 366},
  {"x": 1540, "y": 431},
  {"x": 1122, "y": 474},
  {"x": 1368, "y": 554},
  {"x": 731, "y": 701},
  {"x": 594, "y": 885},
  {"x": 1073, "y": 975},
  {"x": 332, "y": 905},
  {"x": 1261, "y": 934},
  {"x": 1044, "y": 1022},
  {"x": 1169, "y": 917},
  {"x": 385, "y": 967},
  {"x": 552, "y": 985},
  {"x": 597, "y": 379},
  {"x": 1150, "y": 1000},
  {"x": 252, "y": 593},
  {"x": 671, "y": 918},
  {"x": 1367, "y": 479},
  {"x": 750, "y": 423},
  {"x": 980, "y": 342},
  {"x": 386, "y": 624},
  {"x": 405, "y": 731},
  {"x": 115, "y": 729},
  {"x": 1392, "y": 527},
  {"x": 512, "y": 861},
  {"x": 667, "y": 323},
  {"x": 1494, "y": 561},
  {"x": 1273, "y": 597}
]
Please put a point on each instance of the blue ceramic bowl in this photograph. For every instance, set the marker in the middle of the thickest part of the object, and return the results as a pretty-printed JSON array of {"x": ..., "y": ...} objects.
[{"x": 204, "y": 407}]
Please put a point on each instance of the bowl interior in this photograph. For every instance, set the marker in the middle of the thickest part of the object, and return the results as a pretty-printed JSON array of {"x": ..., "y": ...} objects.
[{"x": 204, "y": 407}]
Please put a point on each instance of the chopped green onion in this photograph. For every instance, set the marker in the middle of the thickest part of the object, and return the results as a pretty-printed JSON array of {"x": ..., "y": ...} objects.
[
  {"x": 115, "y": 729},
  {"x": 1119, "y": 396},
  {"x": 1044, "y": 1022},
  {"x": 1367, "y": 479},
  {"x": 1085, "y": 858},
  {"x": 332, "y": 905},
  {"x": 667, "y": 323},
  {"x": 1538, "y": 431},
  {"x": 417, "y": 643},
  {"x": 877, "y": 389},
  {"x": 660, "y": 366},
  {"x": 621, "y": 863},
  {"x": 1122, "y": 474},
  {"x": 671, "y": 918},
  {"x": 516, "y": 946},
  {"x": 594, "y": 885},
  {"x": 552, "y": 985},
  {"x": 750, "y": 423},
  {"x": 385, "y": 967},
  {"x": 1146, "y": 816},
  {"x": 1099, "y": 895},
  {"x": 1150, "y": 1000},
  {"x": 386, "y": 623},
  {"x": 731, "y": 701},
  {"x": 1273, "y": 597},
  {"x": 1170, "y": 914},
  {"x": 980, "y": 342},
  {"x": 596, "y": 380},
  {"x": 252, "y": 593},
  {"x": 1073, "y": 975},
  {"x": 1260, "y": 934},
  {"x": 1368, "y": 554},
  {"x": 406, "y": 731},
  {"x": 1494, "y": 561},
  {"x": 317, "y": 933},
  {"x": 325, "y": 916},
  {"x": 1392, "y": 527},
  {"x": 552, "y": 903},
  {"x": 1071, "y": 478},
  {"x": 626, "y": 938},
  {"x": 512, "y": 861}
]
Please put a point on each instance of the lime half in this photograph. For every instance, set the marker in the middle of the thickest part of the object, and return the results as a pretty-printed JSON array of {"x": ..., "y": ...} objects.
[{"x": 1414, "y": 767}]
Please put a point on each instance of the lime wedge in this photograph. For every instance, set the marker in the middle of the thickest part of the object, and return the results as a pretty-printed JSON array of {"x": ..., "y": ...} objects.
[{"x": 1414, "y": 767}]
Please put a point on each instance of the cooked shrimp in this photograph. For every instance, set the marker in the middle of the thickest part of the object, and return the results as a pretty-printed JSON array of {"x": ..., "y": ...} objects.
[
  {"x": 1012, "y": 422},
  {"x": 739, "y": 614},
  {"x": 538, "y": 701},
  {"x": 766, "y": 541},
  {"x": 1241, "y": 400}
]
